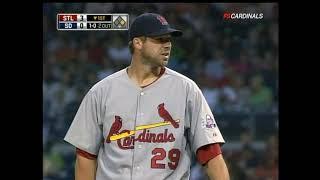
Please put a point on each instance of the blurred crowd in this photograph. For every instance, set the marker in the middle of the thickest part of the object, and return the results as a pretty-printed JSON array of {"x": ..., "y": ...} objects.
[{"x": 234, "y": 62}]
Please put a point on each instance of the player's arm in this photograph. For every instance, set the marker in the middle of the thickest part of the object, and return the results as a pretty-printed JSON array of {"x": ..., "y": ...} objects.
[
  {"x": 85, "y": 166},
  {"x": 210, "y": 156},
  {"x": 205, "y": 136},
  {"x": 216, "y": 169}
]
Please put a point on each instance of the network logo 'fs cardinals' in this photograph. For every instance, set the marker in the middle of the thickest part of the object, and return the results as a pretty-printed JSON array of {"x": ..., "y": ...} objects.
[
  {"x": 166, "y": 116},
  {"x": 115, "y": 128}
]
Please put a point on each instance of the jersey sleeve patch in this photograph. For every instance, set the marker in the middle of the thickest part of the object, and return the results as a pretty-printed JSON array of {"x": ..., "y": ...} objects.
[{"x": 208, "y": 122}]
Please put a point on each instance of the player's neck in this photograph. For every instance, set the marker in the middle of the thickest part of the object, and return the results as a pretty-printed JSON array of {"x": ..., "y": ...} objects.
[{"x": 143, "y": 74}]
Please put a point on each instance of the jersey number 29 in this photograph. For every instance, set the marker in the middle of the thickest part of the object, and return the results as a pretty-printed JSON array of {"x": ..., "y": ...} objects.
[{"x": 160, "y": 154}]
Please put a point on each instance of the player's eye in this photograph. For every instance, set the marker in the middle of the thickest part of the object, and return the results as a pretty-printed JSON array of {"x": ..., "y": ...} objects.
[{"x": 164, "y": 40}]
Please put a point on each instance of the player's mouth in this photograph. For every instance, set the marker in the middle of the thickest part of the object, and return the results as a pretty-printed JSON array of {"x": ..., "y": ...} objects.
[{"x": 166, "y": 54}]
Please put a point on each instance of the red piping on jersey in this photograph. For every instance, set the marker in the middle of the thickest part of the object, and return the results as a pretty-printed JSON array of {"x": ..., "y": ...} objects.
[
  {"x": 161, "y": 73},
  {"x": 86, "y": 154},
  {"x": 207, "y": 152}
]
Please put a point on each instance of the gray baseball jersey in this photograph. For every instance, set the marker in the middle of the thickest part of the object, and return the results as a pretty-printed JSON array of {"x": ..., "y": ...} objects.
[{"x": 143, "y": 133}]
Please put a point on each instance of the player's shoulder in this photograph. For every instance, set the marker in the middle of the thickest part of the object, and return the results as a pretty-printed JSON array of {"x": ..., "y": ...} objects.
[
  {"x": 179, "y": 76},
  {"x": 190, "y": 85},
  {"x": 107, "y": 81}
]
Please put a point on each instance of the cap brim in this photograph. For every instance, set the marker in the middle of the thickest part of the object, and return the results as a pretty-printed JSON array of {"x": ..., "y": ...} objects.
[{"x": 173, "y": 32}]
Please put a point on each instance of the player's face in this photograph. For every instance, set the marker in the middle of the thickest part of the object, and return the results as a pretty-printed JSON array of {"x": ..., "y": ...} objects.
[{"x": 156, "y": 50}]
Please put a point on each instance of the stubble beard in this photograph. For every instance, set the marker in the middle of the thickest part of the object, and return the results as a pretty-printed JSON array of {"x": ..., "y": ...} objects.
[{"x": 153, "y": 61}]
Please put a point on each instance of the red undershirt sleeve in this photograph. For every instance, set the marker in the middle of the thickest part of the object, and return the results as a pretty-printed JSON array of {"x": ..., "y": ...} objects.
[
  {"x": 86, "y": 154},
  {"x": 208, "y": 152}
]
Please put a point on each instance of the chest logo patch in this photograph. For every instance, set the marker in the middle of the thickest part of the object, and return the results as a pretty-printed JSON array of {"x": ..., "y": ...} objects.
[{"x": 126, "y": 138}]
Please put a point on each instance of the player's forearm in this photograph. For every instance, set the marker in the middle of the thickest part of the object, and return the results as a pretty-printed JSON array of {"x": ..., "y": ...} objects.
[
  {"x": 85, "y": 169},
  {"x": 217, "y": 169}
]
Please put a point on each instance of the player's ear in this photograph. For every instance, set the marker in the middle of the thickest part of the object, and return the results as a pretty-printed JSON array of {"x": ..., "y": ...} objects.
[{"x": 137, "y": 42}]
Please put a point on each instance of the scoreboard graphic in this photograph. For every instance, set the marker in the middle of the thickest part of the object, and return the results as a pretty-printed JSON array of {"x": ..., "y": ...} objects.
[{"x": 85, "y": 22}]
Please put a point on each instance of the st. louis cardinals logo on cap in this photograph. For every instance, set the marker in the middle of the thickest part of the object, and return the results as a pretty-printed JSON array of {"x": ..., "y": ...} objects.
[
  {"x": 162, "y": 20},
  {"x": 126, "y": 138}
]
